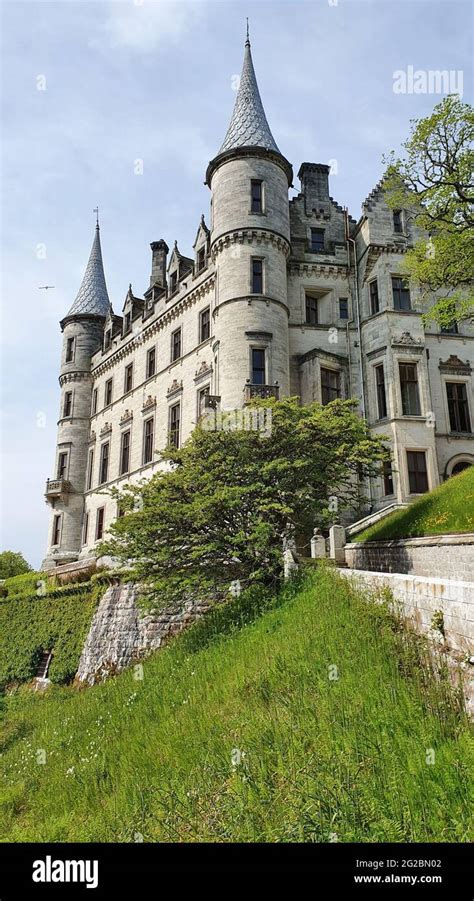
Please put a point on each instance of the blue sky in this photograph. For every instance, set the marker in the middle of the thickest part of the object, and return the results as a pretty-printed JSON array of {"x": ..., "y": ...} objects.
[{"x": 153, "y": 81}]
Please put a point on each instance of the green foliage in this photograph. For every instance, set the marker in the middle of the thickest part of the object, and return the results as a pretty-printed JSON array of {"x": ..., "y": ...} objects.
[
  {"x": 12, "y": 563},
  {"x": 222, "y": 510},
  {"x": 52, "y": 618},
  {"x": 434, "y": 183},
  {"x": 449, "y": 508},
  {"x": 252, "y": 735}
]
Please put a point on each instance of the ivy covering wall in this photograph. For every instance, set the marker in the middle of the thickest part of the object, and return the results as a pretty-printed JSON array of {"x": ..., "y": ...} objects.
[{"x": 37, "y": 615}]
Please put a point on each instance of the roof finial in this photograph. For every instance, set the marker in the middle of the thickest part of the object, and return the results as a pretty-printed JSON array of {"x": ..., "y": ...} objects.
[
  {"x": 96, "y": 211},
  {"x": 248, "y": 38}
]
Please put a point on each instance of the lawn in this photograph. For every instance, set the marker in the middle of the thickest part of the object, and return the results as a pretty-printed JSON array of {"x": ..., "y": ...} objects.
[
  {"x": 447, "y": 509},
  {"x": 309, "y": 716}
]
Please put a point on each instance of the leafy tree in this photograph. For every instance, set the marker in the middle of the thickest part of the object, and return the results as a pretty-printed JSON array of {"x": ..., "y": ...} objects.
[
  {"x": 223, "y": 509},
  {"x": 434, "y": 182},
  {"x": 12, "y": 563}
]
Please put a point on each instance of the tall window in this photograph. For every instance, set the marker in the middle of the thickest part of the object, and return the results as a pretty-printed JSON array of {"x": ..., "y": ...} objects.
[
  {"x": 387, "y": 476},
  {"x": 409, "y": 389},
  {"x": 99, "y": 523},
  {"x": 311, "y": 310},
  {"x": 104, "y": 463},
  {"x": 107, "y": 339},
  {"x": 127, "y": 322},
  {"x": 150, "y": 362},
  {"x": 90, "y": 469},
  {"x": 70, "y": 350},
  {"x": 330, "y": 385},
  {"x": 204, "y": 324},
  {"x": 401, "y": 294},
  {"x": 458, "y": 407},
  {"x": 374, "y": 297},
  {"x": 397, "y": 222},
  {"x": 417, "y": 474},
  {"x": 173, "y": 282},
  {"x": 57, "y": 528},
  {"x": 176, "y": 345},
  {"x": 128, "y": 378},
  {"x": 256, "y": 196},
  {"x": 94, "y": 402},
  {"x": 67, "y": 411},
  {"x": 108, "y": 392},
  {"x": 343, "y": 308},
  {"x": 62, "y": 465},
  {"x": 317, "y": 240},
  {"x": 381, "y": 395},
  {"x": 125, "y": 453},
  {"x": 257, "y": 276},
  {"x": 147, "y": 441},
  {"x": 174, "y": 423},
  {"x": 258, "y": 366},
  {"x": 201, "y": 259},
  {"x": 85, "y": 528}
]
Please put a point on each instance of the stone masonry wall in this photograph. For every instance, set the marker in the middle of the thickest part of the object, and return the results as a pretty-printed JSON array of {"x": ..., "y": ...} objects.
[
  {"x": 120, "y": 633},
  {"x": 444, "y": 557},
  {"x": 421, "y": 597}
]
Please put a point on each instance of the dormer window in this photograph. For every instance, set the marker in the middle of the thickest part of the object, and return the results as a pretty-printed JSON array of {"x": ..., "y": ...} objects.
[
  {"x": 107, "y": 339},
  {"x": 317, "y": 240},
  {"x": 173, "y": 282},
  {"x": 201, "y": 259},
  {"x": 256, "y": 196},
  {"x": 127, "y": 322},
  {"x": 397, "y": 222}
]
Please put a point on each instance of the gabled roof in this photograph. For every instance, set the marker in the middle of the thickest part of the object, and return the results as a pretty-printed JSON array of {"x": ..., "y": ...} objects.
[
  {"x": 248, "y": 125},
  {"x": 92, "y": 298}
]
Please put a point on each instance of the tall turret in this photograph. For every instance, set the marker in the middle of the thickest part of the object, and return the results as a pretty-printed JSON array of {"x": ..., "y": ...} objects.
[
  {"x": 250, "y": 243},
  {"x": 82, "y": 330}
]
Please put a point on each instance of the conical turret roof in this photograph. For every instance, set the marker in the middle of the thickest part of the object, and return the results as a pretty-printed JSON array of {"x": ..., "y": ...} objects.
[
  {"x": 248, "y": 126},
  {"x": 92, "y": 298}
]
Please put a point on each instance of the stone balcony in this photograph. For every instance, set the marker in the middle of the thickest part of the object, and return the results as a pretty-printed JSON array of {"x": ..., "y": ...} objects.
[
  {"x": 260, "y": 391},
  {"x": 57, "y": 488}
]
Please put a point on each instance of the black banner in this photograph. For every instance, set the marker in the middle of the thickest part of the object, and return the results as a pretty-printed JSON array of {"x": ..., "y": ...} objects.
[{"x": 121, "y": 871}]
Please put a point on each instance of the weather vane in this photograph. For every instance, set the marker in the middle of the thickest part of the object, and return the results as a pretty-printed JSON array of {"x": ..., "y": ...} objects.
[{"x": 96, "y": 211}]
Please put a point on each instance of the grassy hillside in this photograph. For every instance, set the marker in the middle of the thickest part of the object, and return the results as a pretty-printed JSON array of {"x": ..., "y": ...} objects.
[
  {"x": 315, "y": 718},
  {"x": 449, "y": 508}
]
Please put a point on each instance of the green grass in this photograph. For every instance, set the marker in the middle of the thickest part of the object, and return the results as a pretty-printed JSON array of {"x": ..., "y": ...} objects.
[
  {"x": 449, "y": 508},
  {"x": 237, "y": 733}
]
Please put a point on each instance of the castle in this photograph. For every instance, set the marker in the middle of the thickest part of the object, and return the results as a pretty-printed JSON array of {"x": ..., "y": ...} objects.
[{"x": 280, "y": 297}]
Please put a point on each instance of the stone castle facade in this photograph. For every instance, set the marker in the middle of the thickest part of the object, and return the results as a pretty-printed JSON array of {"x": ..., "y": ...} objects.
[{"x": 280, "y": 297}]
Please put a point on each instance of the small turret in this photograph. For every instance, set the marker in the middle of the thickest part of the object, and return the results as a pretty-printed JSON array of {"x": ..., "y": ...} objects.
[{"x": 82, "y": 330}]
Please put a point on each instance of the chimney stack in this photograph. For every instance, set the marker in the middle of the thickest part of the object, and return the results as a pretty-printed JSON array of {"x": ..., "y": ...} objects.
[
  {"x": 159, "y": 251},
  {"x": 314, "y": 179}
]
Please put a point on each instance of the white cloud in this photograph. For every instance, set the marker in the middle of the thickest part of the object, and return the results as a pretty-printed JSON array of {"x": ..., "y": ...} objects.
[{"x": 148, "y": 25}]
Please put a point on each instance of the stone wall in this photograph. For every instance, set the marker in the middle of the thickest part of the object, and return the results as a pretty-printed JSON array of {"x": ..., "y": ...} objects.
[
  {"x": 120, "y": 633},
  {"x": 420, "y": 597},
  {"x": 442, "y": 556}
]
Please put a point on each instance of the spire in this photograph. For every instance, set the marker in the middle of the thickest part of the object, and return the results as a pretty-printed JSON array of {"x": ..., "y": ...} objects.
[
  {"x": 248, "y": 126},
  {"x": 92, "y": 298}
]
